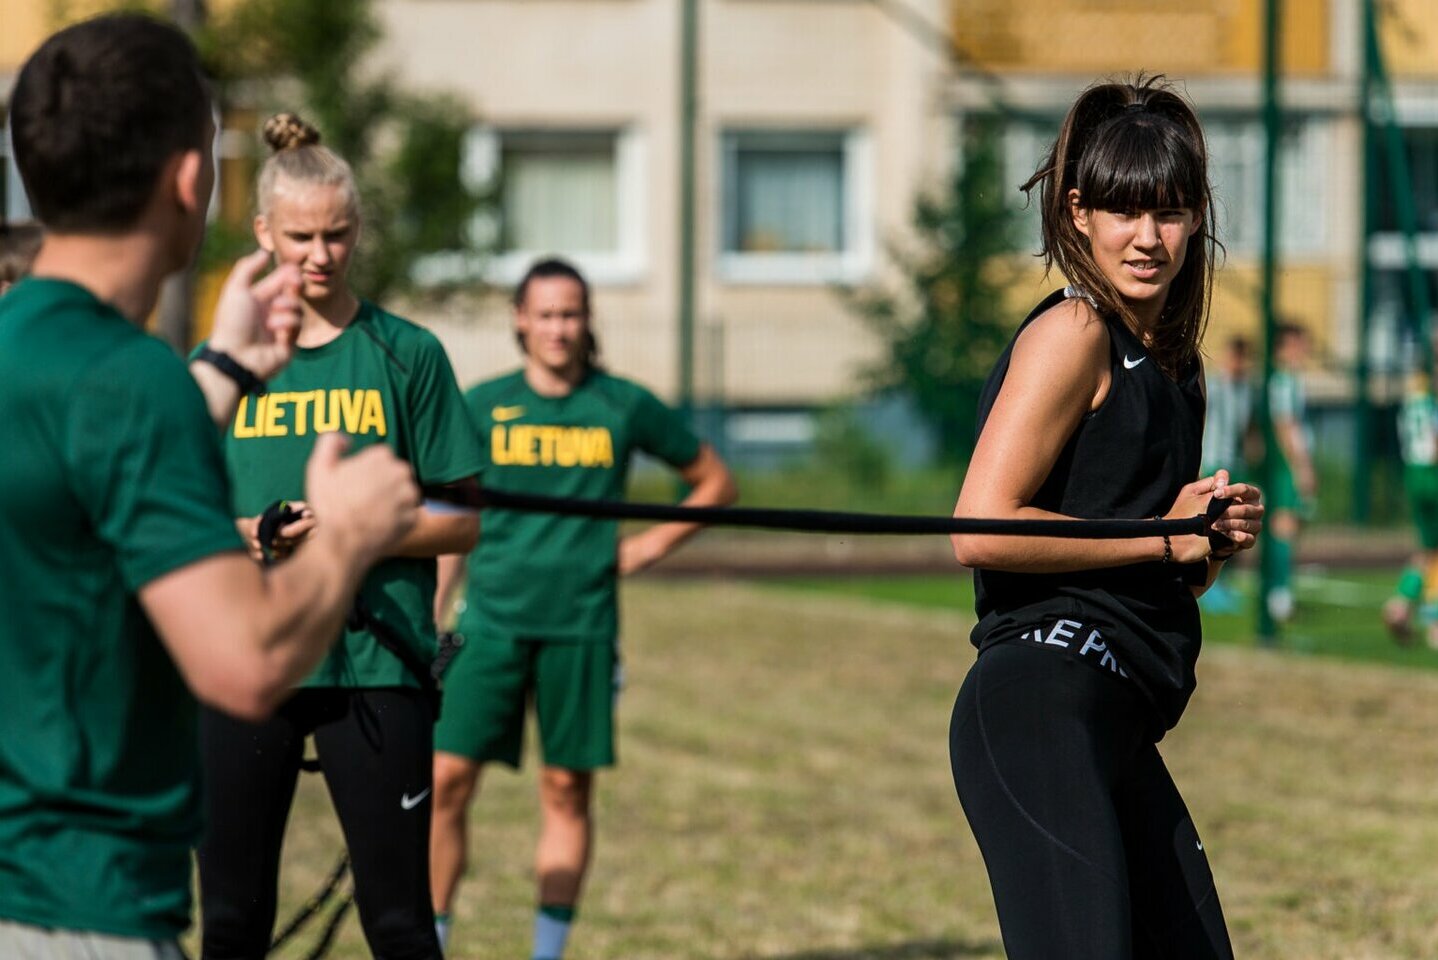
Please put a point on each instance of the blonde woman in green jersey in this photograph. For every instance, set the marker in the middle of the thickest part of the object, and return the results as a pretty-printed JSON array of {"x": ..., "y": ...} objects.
[
  {"x": 384, "y": 381},
  {"x": 541, "y": 621}
]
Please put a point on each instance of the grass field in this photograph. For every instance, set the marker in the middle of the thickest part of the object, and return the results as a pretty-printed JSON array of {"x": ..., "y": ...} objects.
[
  {"x": 1337, "y": 611},
  {"x": 785, "y": 794}
]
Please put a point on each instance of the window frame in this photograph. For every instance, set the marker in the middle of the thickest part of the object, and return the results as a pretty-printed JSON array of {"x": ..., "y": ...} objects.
[
  {"x": 627, "y": 264},
  {"x": 853, "y": 263}
]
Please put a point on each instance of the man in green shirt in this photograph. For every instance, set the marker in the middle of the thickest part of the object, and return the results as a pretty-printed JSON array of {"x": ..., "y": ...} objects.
[
  {"x": 541, "y": 621},
  {"x": 127, "y": 594}
]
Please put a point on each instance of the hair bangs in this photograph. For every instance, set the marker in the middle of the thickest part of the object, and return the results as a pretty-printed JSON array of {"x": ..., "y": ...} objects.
[{"x": 1141, "y": 161}]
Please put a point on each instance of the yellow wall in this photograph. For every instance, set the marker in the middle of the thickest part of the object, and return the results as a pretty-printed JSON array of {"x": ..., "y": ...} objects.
[
  {"x": 28, "y": 22},
  {"x": 1410, "y": 38},
  {"x": 24, "y": 24},
  {"x": 1120, "y": 36}
]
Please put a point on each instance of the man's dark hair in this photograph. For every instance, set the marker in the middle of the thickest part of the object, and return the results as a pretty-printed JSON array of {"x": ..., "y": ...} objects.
[{"x": 97, "y": 111}]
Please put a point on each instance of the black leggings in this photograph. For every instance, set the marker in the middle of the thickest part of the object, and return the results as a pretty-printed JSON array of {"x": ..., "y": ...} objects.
[
  {"x": 375, "y": 748},
  {"x": 1090, "y": 850}
]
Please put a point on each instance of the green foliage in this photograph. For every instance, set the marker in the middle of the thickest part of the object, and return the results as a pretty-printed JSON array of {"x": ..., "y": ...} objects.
[
  {"x": 309, "y": 57},
  {"x": 948, "y": 323},
  {"x": 224, "y": 244},
  {"x": 842, "y": 447}
]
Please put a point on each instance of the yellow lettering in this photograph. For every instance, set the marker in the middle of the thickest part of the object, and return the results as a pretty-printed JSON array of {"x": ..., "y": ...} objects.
[
  {"x": 351, "y": 404},
  {"x": 599, "y": 448},
  {"x": 262, "y": 409},
  {"x": 373, "y": 415},
  {"x": 274, "y": 412},
  {"x": 327, "y": 414},
  {"x": 527, "y": 452},
  {"x": 531, "y": 445},
  {"x": 498, "y": 453},
  {"x": 243, "y": 431},
  {"x": 566, "y": 449},
  {"x": 302, "y": 409}
]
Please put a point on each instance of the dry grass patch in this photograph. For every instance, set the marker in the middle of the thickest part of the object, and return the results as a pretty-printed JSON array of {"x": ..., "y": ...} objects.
[{"x": 785, "y": 793}]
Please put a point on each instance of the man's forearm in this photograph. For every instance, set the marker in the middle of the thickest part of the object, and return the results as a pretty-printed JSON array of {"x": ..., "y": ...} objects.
[
  {"x": 307, "y": 599},
  {"x": 222, "y": 395}
]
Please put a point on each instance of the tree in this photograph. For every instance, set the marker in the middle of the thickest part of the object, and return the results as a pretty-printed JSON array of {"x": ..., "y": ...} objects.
[
  {"x": 948, "y": 320},
  {"x": 310, "y": 57}
]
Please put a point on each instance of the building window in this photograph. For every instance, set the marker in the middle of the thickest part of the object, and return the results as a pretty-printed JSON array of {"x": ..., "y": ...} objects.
[
  {"x": 578, "y": 194},
  {"x": 795, "y": 207},
  {"x": 558, "y": 192},
  {"x": 1421, "y": 145},
  {"x": 1235, "y": 146}
]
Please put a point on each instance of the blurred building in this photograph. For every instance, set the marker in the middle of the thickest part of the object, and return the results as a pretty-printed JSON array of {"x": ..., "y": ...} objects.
[
  {"x": 819, "y": 121},
  {"x": 1215, "y": 49}
]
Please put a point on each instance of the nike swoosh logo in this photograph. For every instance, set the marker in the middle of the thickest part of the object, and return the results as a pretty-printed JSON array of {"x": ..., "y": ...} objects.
[
  {"x": 1200, "y": 845},
  {"x": 406, "y": 802},
  {"x": 1130, "y": 364},
  {"x": 501, "y": 414}
]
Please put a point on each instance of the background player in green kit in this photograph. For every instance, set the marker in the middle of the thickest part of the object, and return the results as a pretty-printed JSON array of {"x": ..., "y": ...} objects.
[
  {"x": 126, "y": 591},
  {"x": 1295, "y": 482},
  {"x": 386, "y": 382},
  {"x": 1418, "y": 440},
  {"x": 1229, "y": 394},
  {"x": 541, "y": 618}
]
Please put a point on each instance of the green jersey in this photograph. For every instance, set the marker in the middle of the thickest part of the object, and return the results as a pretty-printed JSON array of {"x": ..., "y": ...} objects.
[
  {"x": 1418, "y": 429},
  {"x": 1288, "y": 401},
  {"x": 542, "y": 575},
  {"x": 382, "y": 380},
  {"x": 113, "y": 478}
]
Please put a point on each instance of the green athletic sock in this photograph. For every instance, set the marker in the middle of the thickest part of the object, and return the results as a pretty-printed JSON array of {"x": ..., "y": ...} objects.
[
  {"x": 551, "y": 930},
  {"x": 441, "y": 929},
  {"x": 1282, "y": 562},
  {"x": 1410, "y": 584}
]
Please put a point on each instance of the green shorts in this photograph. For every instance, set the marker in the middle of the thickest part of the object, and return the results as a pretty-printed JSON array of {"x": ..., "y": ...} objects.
[
  {"x": 1422, "y": 486},
  {"x": 1285, "y": 495},
  {"x": 573, "y": 683}
]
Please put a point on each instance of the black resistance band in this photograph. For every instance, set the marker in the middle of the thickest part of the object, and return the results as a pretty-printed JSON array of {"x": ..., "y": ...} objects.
[{"x": 830, "y": 521}]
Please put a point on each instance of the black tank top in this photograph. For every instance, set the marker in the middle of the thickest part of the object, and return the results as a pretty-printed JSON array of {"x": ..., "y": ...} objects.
[{"x": 1127, "y": 459}]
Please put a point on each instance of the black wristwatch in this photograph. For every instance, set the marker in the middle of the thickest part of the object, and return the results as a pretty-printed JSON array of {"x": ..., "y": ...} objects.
[{"x": 232, "y": 368}]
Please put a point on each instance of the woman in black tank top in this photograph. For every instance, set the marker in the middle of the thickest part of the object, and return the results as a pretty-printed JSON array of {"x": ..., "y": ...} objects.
[{"x": 1087, "y": 648}]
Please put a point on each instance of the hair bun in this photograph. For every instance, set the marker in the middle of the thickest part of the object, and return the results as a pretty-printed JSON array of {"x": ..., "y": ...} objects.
[{"x": 286, "y": 131}]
